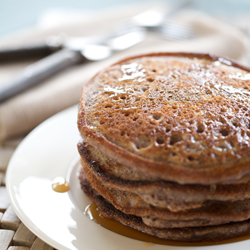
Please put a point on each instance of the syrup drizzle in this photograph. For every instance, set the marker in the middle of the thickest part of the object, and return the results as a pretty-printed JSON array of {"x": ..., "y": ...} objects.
[
  {"x": 132, "y": 71},
  {"x": 147, "y": 240},
  {"x": 60, "y": 185}
]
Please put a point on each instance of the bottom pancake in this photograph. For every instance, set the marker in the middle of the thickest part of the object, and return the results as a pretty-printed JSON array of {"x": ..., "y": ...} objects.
[
  {"x": 194, "y": 234},
  {"x": 212, "y": 213}
]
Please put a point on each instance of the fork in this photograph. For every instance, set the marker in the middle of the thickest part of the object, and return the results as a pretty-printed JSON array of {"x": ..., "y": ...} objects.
[
  {"x": 159, "y": 22},
  {"x": 174, "y": 30},
  {"x": 170, "y": 30}
]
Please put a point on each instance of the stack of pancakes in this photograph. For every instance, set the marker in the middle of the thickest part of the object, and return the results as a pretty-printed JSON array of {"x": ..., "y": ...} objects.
[{"x": 166, "y": 145}]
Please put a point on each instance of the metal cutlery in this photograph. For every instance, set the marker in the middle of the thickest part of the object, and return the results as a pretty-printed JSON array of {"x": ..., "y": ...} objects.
[
  {"x": 174, "y": 31},
  {"x": 55, "y": 43},
  {"x": 71, "y": 55}
]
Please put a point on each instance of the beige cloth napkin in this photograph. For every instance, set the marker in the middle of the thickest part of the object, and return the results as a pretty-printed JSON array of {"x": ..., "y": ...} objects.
[{"x": 22, "y": 113}]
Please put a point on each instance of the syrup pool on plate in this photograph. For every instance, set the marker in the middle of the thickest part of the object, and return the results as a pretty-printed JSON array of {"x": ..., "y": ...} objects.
[
  {"x": 60, "y": 185},
  {"x": 147, "y": 240}
]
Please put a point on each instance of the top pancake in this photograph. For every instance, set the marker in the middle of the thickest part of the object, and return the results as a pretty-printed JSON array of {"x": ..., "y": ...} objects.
[{"x": 178, "y": 116}]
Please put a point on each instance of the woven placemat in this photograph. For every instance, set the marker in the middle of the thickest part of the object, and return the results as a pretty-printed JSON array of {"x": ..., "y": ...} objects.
[{"x": 14, "y": 235}]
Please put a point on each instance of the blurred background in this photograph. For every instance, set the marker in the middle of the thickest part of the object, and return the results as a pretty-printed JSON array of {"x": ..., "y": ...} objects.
[{"x": 16, "y": 14}]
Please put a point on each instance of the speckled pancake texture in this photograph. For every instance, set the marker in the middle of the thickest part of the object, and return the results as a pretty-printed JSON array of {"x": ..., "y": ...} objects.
[{"x": 166, "y": 138}]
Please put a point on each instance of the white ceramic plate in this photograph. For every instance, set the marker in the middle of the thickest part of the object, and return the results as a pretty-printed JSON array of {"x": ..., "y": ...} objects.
[{"x": 49, "y": 151}]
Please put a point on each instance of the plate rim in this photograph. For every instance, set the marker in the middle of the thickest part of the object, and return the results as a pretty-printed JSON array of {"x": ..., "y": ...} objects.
[{"x": 27, "y": 222}]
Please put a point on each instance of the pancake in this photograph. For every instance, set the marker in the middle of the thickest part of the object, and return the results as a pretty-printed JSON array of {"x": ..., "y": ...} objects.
[
  {"x": 165, "y": 145},
  {"x": 163, "y": 194},
  {"x": 195, "y": 234},
  {"x": 180, "y": 117}
]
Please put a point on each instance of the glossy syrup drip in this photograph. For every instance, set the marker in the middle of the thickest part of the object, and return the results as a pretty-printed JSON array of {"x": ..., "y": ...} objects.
[
  {"x": 60, "y": 185},
  {"x": 147, "y": 240}
]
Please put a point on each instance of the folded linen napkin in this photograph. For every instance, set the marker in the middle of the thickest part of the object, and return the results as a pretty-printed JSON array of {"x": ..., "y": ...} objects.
[{"x": 24, "y": 112}]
